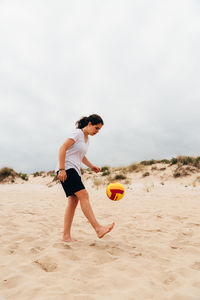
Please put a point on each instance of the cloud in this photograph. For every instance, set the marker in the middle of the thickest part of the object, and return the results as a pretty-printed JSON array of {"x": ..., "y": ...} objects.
[{"x": 136, "y": 63}]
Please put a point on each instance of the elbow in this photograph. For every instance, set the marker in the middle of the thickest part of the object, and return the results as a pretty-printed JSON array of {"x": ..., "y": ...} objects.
[{"x": 62, "y": 149}]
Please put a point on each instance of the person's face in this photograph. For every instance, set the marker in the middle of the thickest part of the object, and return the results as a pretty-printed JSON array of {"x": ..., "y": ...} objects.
[{"x": 94, "y": 129}]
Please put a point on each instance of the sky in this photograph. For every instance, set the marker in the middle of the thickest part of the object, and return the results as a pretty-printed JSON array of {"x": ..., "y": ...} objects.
[{"x": 134, "y": 62}]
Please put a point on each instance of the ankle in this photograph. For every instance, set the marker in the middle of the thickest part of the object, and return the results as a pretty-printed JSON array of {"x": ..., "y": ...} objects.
[
  {"x": 98, "y": 228},
  {"x": 66, "y": 235}
]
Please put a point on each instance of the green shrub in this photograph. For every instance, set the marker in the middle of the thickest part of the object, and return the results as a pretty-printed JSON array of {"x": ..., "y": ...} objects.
[
  {"x": 197, "y": 162},
  {"x": 165, "y": 161},
  {"x": 173, "y": 161},
  {"x": 105, "y": 173},
  {"x": 120, "y": 176},
  {"x": 105, "y": 168},
  {"x": 41, "y": 173},
  {"x": 23, "y": 176},
  {"x": 148, "y": 162},
  {"x": 51, "y": 173},
  {"x": 36, "y": 174}
]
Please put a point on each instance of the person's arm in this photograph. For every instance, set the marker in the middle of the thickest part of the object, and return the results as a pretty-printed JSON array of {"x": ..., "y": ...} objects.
[
  {"x": 90, "y": 165},
  {"x": 62, "y": 153}
]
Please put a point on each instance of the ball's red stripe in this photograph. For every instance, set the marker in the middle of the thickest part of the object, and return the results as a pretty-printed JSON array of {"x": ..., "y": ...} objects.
[{"x": 114, "y": 191}]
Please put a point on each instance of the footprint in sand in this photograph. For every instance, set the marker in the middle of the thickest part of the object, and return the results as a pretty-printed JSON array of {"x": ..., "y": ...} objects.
[
  {"x": 193, "y": 224},
  {"x": 93, "y": 244},
  {"x": 116, "y": 251},
  {"x": 168, "y": 279},
  {"x": 135, "y": 254},
  {"x": 46, "y": 264},
  {"x": 112, "y": 248},
  {"x": 29, "y": 239},
  {"x": 36, "y": 250},
  {"x": 13, "y": 281},
  {"x": 62, "y": 245},
  {"x": 196, "y": 265},
  {"x": 102, "y": 259},
  {"x": 12, "y": 248},
  {"x": 68, "y": 254},
  {"x": 178, "y": 218}
]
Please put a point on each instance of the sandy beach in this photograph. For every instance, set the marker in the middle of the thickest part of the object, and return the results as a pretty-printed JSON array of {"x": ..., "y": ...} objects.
[{"x": 153, "y": 251}]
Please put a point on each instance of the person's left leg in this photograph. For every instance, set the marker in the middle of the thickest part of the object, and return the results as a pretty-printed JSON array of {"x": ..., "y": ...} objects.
[
  {"x": 83, "y": 197},
  {"x": 68, "y": 218}
]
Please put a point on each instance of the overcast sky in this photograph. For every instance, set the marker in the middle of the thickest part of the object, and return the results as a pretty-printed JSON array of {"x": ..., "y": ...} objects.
[{"x": 134, "y": 62}]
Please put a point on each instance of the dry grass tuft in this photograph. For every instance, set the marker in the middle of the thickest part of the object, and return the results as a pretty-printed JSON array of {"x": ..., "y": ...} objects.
[
  {"x": 135, "y": 167},
  {"x": 186, "y": 160},
  {"x": 97, "y": 182},
  {"x": 194, "y": 184},
  {"x": 162, "y": 169},
  {"x": 127, "y": 181},
  {"x": 148, "y": 187},
  {"x": 145, "y": 174},
  {"x": 180, "y": 160},
  {"x": 183, "y": 170},
  {"x": 8, "y": 173},
  {"x": 196, "y": 181},
  {"x": 154, "y": 168}
]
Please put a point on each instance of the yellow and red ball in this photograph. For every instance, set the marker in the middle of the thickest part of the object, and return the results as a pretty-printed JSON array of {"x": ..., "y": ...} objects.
[{"x": 115, "y": 191}]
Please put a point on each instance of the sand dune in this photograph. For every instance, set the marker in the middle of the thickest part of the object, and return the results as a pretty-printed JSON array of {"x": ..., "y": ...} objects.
[{"x": 152, "y": 253}]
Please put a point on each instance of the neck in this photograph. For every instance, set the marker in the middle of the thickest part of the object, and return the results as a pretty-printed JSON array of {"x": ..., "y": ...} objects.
[{"x": 85, "y": 131}]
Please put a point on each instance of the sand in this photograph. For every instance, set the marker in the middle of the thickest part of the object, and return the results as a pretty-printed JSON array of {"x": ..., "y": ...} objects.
[{"x": 152, "y": 253}]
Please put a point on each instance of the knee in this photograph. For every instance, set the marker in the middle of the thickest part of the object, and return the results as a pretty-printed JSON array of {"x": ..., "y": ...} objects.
[
  {"x": 73, "y": 201},
  {"x": 83, "y": 195}
]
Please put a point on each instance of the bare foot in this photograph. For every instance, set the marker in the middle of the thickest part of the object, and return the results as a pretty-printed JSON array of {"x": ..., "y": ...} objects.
[
  {"x": 102, "y": 230},
  {"x": 68, "y": 239}
]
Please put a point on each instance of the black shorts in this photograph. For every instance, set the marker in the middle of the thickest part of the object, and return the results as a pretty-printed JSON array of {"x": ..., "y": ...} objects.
[{"x": 73, "y": 183}]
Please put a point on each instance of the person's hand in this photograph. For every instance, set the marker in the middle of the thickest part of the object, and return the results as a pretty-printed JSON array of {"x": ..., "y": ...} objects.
[
  {"x": 95, "y": 169},
  {"x": 62, "y": 175}
]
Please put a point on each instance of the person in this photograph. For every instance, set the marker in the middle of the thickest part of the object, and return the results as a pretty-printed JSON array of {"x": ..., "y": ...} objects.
[{"x": 71, "y": 155}]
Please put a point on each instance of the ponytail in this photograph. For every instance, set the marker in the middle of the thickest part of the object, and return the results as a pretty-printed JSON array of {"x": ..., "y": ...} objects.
[
  {"x": 94, "y": 119},
  {"x": 82, "y": 122}
]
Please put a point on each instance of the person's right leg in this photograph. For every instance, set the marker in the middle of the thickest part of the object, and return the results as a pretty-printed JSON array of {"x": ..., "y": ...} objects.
[
  {"x": 68, "y": 218},
  {"x": 83, "y": 197}
]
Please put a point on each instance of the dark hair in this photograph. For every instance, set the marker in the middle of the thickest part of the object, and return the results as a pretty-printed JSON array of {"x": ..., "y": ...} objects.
[{"x": 94, "y": 119}]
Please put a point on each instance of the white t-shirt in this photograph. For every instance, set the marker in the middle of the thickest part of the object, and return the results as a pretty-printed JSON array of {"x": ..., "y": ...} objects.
[{"x": 75, "y": 154}]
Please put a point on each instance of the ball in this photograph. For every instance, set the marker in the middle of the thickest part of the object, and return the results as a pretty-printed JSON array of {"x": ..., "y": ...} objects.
[{"x": 115, "y": 191}]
